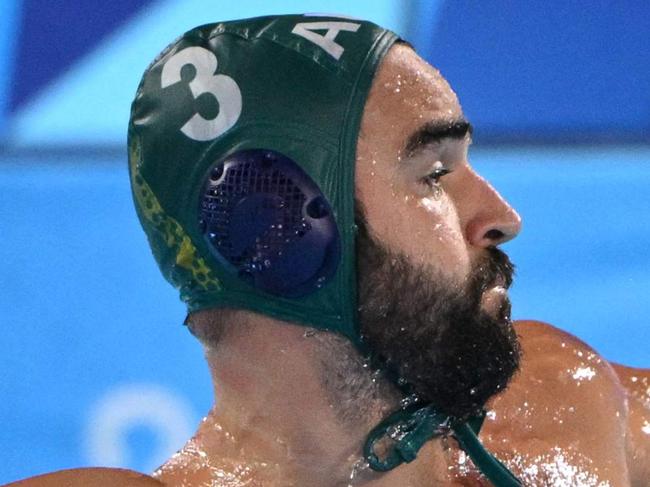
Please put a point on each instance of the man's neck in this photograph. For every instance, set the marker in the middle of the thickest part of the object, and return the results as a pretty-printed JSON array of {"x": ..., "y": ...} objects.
[{"x": 292, "y": 408}]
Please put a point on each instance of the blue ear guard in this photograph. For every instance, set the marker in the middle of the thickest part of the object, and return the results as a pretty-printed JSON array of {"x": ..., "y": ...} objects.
[{"x": 266, "y": 220}]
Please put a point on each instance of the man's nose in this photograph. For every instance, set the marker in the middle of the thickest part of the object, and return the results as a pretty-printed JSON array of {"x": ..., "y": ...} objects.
[{"x": 494, "y": 221}]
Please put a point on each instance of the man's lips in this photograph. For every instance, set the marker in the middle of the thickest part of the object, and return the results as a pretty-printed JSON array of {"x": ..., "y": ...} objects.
[{"x": 495, "y": 301}]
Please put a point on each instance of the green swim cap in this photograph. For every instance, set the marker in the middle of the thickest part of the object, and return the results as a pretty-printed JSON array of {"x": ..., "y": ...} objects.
[{"x": 294, "y": 87}]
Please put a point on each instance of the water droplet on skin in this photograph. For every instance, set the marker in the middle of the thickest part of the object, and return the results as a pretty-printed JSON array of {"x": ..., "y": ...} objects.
[
  {"x": 646, "y": 427},
  {"x": 309, "y": 333},
  {"x": 358, "y": 467},
  {"x": 583, "y": 373}
]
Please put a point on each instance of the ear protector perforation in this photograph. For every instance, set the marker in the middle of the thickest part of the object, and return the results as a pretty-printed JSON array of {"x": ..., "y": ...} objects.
[{"x": 265, "y": 220}]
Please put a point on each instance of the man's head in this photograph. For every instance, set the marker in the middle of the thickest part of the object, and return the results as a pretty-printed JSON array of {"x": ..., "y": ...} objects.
[{"x": 300, "y": 87}]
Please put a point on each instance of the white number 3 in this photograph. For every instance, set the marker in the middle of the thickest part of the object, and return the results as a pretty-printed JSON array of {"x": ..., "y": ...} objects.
[{"x": 222, "y": 87}]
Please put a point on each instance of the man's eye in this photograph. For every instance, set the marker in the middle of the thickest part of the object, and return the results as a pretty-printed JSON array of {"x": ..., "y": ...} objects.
[{"x": 433, "y": 178}]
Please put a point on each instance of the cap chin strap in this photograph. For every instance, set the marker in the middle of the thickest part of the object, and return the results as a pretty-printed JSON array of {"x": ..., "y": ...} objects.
[{"x": 410, "y": 428}]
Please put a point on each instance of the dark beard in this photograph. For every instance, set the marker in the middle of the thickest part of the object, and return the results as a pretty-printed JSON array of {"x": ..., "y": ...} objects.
[{"x": 438, "y": 340}]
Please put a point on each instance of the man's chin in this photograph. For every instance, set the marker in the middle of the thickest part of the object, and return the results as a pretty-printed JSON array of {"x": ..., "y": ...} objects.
[{"x": 476, "y": 361}]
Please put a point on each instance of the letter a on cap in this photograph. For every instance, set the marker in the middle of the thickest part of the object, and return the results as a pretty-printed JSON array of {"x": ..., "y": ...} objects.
[{"x": 326, "y": 42}]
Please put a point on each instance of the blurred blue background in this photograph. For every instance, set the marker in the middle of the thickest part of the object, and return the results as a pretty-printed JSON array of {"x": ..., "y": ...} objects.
[{"x": 96, "y": 368}]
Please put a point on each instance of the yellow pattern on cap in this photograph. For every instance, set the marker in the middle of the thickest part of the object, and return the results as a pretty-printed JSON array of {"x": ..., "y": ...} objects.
[{"x": 169, "y": 229}]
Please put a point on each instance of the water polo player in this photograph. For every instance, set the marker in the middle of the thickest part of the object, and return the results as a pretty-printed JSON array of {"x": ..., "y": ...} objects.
[{"x": 304, "y": 182}]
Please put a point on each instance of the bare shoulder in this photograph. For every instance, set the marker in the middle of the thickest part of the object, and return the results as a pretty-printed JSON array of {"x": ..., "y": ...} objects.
[
  {"x": 619, "y": 396},
  {"x": 565, "y": 410},
  {"x": 90, "y": 477},
  {"x": 538, "y": 333},
  {"x": 554, "y": 353},
  {"x": 557, "y": 368}
]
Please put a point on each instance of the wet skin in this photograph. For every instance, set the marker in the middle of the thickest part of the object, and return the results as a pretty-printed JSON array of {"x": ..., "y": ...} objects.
[{"x": 567, "y": 418}]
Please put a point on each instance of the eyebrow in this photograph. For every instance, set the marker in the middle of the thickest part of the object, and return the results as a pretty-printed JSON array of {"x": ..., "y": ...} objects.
[{"x": 436, "y": 131}]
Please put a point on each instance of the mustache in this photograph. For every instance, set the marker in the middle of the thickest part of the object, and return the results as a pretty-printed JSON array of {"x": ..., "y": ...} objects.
[{"x": 494, "y": 267}]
